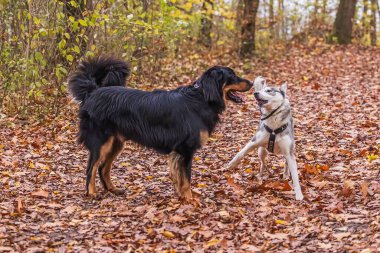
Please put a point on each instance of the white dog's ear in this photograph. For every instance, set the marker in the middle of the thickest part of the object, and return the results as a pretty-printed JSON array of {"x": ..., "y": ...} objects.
[
  {"x": 260, "y": 83},
  {"x": 284, "y": 87}
]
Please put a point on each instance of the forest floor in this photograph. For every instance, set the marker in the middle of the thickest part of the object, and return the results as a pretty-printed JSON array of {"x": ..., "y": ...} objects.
[{"x": 335, "y": 94}]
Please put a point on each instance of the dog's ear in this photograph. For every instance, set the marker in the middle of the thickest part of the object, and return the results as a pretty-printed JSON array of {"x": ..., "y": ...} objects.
[
  {"x": 211, "y": 85},
  {"x": 260, "y": 83},
  {"x": 283, "y": 88}
]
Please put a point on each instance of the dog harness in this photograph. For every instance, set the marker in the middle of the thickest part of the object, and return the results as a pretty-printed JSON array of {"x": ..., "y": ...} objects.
[{"x": 272, "y": 136}]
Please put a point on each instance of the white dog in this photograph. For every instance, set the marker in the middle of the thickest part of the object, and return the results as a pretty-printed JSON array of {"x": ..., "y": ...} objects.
[{"x": 275, "y": 133}]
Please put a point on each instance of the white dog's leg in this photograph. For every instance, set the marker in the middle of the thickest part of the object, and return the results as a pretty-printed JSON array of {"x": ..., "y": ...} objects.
[
  {"x": 235, "y": 161},
  {"x": 292, "y": 164},
  {"x": 262, "y": 152},
  {"x": 286, "y": 173}
]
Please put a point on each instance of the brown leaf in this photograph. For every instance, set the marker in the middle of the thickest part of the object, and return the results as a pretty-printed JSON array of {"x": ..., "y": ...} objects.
[
  {"x": 19, "y": 207},
  {"x": 347, "y": 189},
  {"x": 364, "y": 189},
  {"x": 40, "y": 193},
  {"x": 177, "y": 218},
  {"x": 168, "y": 234},
  {"x": 278, "y": 185}
]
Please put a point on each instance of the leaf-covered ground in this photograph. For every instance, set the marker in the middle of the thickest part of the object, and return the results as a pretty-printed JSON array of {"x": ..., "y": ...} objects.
[{"x": 335, "y": 96}]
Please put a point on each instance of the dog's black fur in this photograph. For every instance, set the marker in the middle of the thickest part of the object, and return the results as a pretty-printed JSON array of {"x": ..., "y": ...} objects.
[{"x": 167, "y": 121}]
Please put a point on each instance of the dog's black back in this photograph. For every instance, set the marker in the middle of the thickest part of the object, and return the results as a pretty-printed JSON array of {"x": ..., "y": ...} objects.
[{"x": 163, "y": 120}]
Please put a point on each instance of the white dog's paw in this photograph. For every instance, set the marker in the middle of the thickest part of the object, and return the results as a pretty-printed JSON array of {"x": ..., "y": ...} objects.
[
  {"x": 231, "y": 165},
  {"x": 299, "y": 196},
  {"x": 285, "y": 176}
]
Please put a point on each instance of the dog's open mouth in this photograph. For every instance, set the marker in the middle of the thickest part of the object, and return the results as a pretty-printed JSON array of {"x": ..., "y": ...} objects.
[
  {"x": 261, "y": 102},
  {"x": 232, "y": 95}
]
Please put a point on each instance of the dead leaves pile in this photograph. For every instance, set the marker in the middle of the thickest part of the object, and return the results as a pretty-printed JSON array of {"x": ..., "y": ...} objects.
[{"x": 335, "y": 98}]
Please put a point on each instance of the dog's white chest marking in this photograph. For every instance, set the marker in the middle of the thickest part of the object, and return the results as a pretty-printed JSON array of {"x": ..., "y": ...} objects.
[{"x": 275, "y": 132}]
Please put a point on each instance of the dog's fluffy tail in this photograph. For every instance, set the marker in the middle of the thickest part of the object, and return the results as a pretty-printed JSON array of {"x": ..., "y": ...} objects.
[{"x": 97, "y": 72}]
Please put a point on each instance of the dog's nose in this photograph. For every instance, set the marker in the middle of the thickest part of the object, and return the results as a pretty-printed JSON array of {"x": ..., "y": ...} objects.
[{"x": 256, "y": 94}]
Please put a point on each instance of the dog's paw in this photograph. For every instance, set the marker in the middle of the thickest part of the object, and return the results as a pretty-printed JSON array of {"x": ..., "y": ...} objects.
[
  {"x": 299, "y": 196},
  {"x": 94, "y": 196},
  {"x": 231, "y": 165},
  {"x": 118, "y": 191}
]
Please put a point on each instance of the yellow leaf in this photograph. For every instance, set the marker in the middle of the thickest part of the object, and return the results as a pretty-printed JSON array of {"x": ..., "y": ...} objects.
[
  {"x": 372, "y": 157},
  {"x": 281, "y": 222},
  {"x": 305, "y": 78},
  {"x": 197, "y": 158},
  {"x": 212, "y": 139},
  {"x": 149, "y": 177},
  {"x": 200, "y": 185},
  {"x": 212, "y": 242},
  {"x": 31, "y": 165},
  {"x": 248, "y": 170},
  {"x": 168, "y": 234}
]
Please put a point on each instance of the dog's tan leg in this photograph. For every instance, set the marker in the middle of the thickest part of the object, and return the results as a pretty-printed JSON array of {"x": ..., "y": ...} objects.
[
  {"x": 178, "y": 175},
  {"x": 291, "y": 160},
  {"x": 94, "y": 163},
  {"x": 249, "y": 147},
  {"x": 105, "y": 170}
]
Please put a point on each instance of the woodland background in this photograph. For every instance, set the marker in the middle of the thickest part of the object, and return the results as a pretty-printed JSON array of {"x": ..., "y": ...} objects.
[
  {"x": 43, "y": 40},
  {"x": 328, "y": 52}
]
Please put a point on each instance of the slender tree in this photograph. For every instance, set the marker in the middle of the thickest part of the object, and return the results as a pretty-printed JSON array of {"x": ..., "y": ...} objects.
[
  {"x": 271, "y": 17},
  {"x": 344, "y": 21},
  {"x": 373, "y": 22},
  {"x": 324, "y": 8},
  {"x": 365, "y": 28},
  {"x": 206, "y": 24},
  {"x": 248, "y": 27}
]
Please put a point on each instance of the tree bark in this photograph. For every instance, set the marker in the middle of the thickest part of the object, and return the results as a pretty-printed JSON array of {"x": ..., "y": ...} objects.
[
  {"x": 271, "y": 18},
  {"x": 373, "y": 23},
  {"x": 344, "y": 21},
  {"x": 365, "y": 18},
  {"x": 316, "y": 8},
  {"x": 248, "y": 27},
  {"x": 324, "y": 8},
  {"x": 206, "y": 24}
]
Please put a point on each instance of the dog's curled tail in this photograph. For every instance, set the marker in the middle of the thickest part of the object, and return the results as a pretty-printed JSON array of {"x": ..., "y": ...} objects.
[{"x": 97, "y": 72}]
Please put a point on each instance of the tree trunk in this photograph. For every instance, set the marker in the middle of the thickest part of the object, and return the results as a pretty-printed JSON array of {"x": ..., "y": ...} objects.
[
  {"x": 373, "y": 23},
  {"x": 206, "y": 24},
  {"x": 248, "y": 27},
  {"x": 324, "y": 8},
  {"x": 271, "y": 18},
  {"x": 364, "y": 19},
  {"x": 344, "y": 20},
  {"x": 280, "y": 19},
  {"x": 316, "y": 7}
]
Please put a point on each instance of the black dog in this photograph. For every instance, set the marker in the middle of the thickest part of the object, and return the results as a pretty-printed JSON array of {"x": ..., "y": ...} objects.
[{"x": 177, "y": 122}]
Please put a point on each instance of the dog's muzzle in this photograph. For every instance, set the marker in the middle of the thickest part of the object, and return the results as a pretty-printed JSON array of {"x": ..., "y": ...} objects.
[{"x": 260, "y": 101}]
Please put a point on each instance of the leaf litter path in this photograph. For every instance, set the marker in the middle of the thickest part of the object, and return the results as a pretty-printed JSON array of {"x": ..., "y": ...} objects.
[{"x": 335, "y": 96}]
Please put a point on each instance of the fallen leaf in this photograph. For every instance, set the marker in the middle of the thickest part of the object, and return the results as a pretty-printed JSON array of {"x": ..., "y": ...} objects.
[
  {"x": 168, "y": 234},
  {"x": 372, "y": 157},
  {"x": 281, "y": 222},
  {"x": 177, "y": 218},
  {"x": 40, "y": 193},
  {"x": 340, "y": 236},
  {"x": 347, "y": 189},
  {"x": 212, "y": 242},
  {"x": 364, "y": 189}
]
